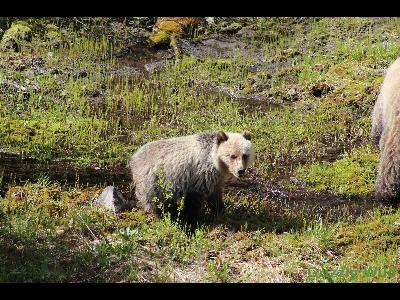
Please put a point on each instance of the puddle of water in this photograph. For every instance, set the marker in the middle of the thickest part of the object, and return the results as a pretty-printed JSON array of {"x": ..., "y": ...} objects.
[
  {"x": 143, "y": 59},
  {"x": 221, "y": 46}
]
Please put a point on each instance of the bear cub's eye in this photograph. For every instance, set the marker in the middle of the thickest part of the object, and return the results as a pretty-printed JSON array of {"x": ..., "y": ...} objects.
[
  {"x": 245, "y": 156},
  {"x": 233, "y": 156}
]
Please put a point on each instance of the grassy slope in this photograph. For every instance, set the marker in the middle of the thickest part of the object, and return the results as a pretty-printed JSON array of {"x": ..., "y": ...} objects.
[{"x": 325, "y": 74}]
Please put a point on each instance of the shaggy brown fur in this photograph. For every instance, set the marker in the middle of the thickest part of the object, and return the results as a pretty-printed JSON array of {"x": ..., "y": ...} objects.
[
  {"x": 386, "y": 134},
  {"x": 194, "y": 169}
]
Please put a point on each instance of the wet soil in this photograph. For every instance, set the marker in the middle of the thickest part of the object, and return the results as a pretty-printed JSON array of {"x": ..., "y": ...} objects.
[{"x": 141, "y": 59}]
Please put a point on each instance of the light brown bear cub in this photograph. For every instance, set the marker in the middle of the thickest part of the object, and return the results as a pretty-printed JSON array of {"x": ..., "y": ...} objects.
[
  {"x": 195, "y": 168},
  {"x": 386, "y": 134}
]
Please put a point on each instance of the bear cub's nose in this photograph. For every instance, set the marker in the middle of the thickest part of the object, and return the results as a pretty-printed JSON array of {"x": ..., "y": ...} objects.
[{"x": 241, "y": 172}]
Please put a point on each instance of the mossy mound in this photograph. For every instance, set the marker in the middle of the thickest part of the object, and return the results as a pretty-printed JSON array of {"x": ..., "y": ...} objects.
[
  {"x": 160, "y": 38},
  {"x": 177, "y": 24},
  {"x": 16, "y": 35},
  {"x": 53, "y": 35},
  {"x": 167, "y": 29}
]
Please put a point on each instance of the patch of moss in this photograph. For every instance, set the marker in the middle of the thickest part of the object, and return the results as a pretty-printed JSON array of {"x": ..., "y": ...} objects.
[
  {"x": 351, "y": 175},
  {"x": 166, "y": 38},
  {"x": 18, "y": 33},
  {"x": 177, "y": 24},
  {"x": 170, "y": 26},
  {"x": 53, "y": 34},
  {"x": 160, "y": 38},
  {"x": 168, "y": 31}
]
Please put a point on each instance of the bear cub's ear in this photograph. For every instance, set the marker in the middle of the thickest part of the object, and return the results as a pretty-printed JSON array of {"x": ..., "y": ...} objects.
[
  {"x": 221, "y": 137},
  {"x": 247, "y": 135}
]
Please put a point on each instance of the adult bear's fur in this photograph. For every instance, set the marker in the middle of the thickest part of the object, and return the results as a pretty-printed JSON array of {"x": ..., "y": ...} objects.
[
  {"x": 386, "y": 134},
  {"x": 194, "y": 168}
]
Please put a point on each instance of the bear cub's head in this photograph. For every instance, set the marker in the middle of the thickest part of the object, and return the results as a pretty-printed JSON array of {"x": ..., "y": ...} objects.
[{"x": 235, "y": 152}]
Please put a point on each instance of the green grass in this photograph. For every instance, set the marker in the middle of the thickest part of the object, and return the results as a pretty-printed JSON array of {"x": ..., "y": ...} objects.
[
  {"x": 352, "y": 175},
  {"x": 49, "y": 233}
]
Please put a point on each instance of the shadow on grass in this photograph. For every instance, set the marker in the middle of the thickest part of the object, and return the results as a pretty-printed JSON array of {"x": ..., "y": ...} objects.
[
  {"x": 15, "y": 169},
  {"x": 265, "y": 222},
  {"x": 26, "y": 258},
  {"x": 284, "y": 210}
]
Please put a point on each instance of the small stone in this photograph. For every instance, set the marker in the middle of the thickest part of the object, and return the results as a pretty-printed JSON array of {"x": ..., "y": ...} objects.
[
  {"x": 60, "y": 231},
  {"x": 291, "y": 95},
  {"x": 112, "y": 199},
  {"x": 29, "y": 73}
]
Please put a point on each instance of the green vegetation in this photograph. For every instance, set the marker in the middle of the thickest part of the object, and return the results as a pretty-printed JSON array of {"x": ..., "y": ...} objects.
[
  {"x": 16, "y": 35},
  {"x": 352, "y": 175},
  {"x": 304, "y": 87},
  {"x": 53, "y": 234}
]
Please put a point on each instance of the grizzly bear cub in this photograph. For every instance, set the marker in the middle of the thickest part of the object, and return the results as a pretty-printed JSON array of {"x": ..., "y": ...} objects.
[
  {"x": 190, "y": 168},
  {"x": 386, "y": 134}
]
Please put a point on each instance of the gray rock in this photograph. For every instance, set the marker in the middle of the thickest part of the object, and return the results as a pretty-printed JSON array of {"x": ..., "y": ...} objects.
[{"x": 112, "y": 199}]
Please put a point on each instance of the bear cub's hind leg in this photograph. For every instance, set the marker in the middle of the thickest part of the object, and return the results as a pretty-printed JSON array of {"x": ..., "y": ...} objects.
[{"x": 215, "y": 202}]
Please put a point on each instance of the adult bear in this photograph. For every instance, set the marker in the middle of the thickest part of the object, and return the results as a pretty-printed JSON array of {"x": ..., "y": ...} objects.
[{"x": 386, "y": 134}]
